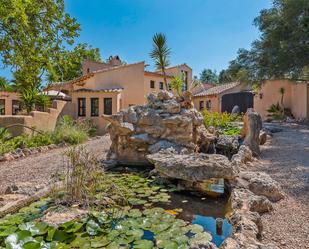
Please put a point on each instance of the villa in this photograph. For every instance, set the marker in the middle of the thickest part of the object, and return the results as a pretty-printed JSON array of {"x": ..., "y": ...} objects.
[{"x": 106, "y": 88}]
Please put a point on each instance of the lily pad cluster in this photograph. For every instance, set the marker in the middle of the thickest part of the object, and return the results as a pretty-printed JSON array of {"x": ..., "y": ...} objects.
[
  {"x": 139, "y": 190},
  {"x": 132, "y": 228}
]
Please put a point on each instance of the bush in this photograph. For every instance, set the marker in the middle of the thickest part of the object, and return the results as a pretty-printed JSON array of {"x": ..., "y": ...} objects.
[
  {"x": 222, "y": 121},
  {"x": 67, "y": 131}
]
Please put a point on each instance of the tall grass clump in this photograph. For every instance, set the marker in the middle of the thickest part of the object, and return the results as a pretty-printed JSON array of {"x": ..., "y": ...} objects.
[{"x": 71, "y": 132}]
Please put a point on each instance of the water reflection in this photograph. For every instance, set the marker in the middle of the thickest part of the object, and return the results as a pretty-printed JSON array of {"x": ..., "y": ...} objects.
[{"x": 209, "y": 224}]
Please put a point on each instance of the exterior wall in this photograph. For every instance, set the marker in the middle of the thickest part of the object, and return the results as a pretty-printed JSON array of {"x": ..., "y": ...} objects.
[
  {"x": 177, "y": 71},
  {"x": 216, "y": 100},
  {"x": 295, "y": 97},
  {"x": 99, "y": 122},
  {"x": 9, "y": 97},
  {"x": 157, "y": 79},
  {"x": 44, "y": 121},
  {"x": 130, "y": 78},
  {"x": 300, "y": 98},
  {"x": 214, "y": 103}
]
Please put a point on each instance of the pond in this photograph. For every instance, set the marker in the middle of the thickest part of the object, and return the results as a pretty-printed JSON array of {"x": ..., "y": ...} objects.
[{"x": 157, "y": 216}]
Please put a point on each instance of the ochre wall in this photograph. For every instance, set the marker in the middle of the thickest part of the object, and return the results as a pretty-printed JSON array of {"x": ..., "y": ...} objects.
[
  {"x": 295, "y": 97},
  {"x": 214, "y": 102},
  {"x": 130, "y": 77},
  {"x": 44, "y": 121},
  {"x": 9, "y": 97},
  {"x": 177, "y": 71},
  {"x": 99, "y": 122}
]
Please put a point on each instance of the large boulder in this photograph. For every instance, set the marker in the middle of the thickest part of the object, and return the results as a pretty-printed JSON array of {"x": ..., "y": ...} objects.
[
  {"x": 193, "y": 167},
  {"x": 262, "y": 184},
  {"x": 251, "y": 130},
  {"x": 164, "y": 122}
]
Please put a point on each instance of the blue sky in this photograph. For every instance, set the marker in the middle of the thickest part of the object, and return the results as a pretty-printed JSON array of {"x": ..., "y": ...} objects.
[{"x": 201, "y": 33}]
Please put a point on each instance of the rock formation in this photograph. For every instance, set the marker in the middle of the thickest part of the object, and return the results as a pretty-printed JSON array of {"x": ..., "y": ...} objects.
[
  {"x": 164, "y": 122},
  {"x": 192, "y": 167},
  {"x": 251, "y": 130}
]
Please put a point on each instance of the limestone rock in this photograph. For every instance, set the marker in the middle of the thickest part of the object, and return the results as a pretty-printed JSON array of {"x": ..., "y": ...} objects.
[
  {"x": 192, "y": 167},
  {"x": 262, "y": 184},
  {"x": 243, "y": 156},
  {"x": 263, "y": 137},
  {"x": 227, "y": 145},
  {"x": 251, "y": 130},
  {"x": 244, "y": 198},
  {"x": 164, "y": 122}
]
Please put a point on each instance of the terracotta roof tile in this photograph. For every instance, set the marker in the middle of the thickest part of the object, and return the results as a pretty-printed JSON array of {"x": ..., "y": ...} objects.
[
  {"x": 217, "y": 89},
  {"x": 112, "y": 89}
]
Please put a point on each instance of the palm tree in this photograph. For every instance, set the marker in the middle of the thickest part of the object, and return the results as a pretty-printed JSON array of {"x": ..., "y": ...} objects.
[{"x": 160, "y": 54}]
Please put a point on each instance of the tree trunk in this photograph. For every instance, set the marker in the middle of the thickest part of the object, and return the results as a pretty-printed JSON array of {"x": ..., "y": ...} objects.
[{"x": 165, "y": 80}]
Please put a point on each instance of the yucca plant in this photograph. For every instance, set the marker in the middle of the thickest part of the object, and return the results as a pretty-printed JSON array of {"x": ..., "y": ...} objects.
[{"x": 160, "y": 54}]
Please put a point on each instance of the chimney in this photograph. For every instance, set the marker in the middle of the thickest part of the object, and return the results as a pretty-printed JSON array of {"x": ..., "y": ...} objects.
[{"x": 114, "y": 60}]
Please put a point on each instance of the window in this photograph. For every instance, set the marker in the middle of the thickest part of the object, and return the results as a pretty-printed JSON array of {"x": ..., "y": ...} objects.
[
  {"x": 201, "y": 105},
  {"x": 15, "y": 107},
  {"x": 108, "y": 106},
  {"x": 208, "y": 105},
  {"x": 152, "y": 84},
  {"x": 2, "y": 106},
  {"x": 81, "y": 107},
  {"x": 94, "y": 107},
  {"x": 161, "y": 85}
]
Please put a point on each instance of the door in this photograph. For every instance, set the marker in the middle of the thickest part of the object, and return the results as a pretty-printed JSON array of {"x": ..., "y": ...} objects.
[{"x": 243, "y": 100}]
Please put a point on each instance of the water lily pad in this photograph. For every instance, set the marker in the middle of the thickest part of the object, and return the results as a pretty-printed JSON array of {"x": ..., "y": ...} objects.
[
  {"x": 38, "y": 228},
  {"x": 195, "y": 228},
  {"x": 143, "y": 244},
  {"x": 7, "y": 230},
  {"x": 92, "y": 227},
  {"x": 167, "y": 244}
]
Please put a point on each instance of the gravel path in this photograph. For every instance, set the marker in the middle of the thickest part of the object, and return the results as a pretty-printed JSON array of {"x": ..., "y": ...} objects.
[
  {"x": 286, "y": 159},
  {"x": 34, "y": 172}
]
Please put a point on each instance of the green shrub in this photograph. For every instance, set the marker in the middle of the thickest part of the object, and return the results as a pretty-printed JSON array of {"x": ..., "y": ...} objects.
[
  {"x": 69, "y": 134},
  {"x": 222, "y": 121},
  {"x": 275, "y": 111}
]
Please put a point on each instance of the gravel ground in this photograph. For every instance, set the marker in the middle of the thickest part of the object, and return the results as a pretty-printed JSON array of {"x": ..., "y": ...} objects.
[
  {"x": 286, "y": 159},
  {"x": 34, "y": 172}
]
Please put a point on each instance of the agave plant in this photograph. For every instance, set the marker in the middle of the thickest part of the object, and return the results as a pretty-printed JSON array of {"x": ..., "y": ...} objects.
[
  {"x": 160, "y": 54},
  {"x": 275, "y": 111}
]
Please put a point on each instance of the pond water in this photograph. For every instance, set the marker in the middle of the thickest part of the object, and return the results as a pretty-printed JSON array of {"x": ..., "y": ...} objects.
[
  {"x": 203, "y": 211},
  {"x": 157, "y": 216}
]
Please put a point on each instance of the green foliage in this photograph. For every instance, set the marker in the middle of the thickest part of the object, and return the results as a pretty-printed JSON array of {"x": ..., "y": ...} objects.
[
  {"x": 177, "y": 84},
  {"x": 69, "y": 63},
  {"x": 67, "y": 131},
  {"x": 275, "y": 111},
  {"x": 4, "y": 134},
  {"x": 209, "y": 76},
  {"x": 222, "y": 121},
  {"x": 160, "y": 54},
  {"x": 32, "y": 35},
  {"x": 282, "y": 51}
]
